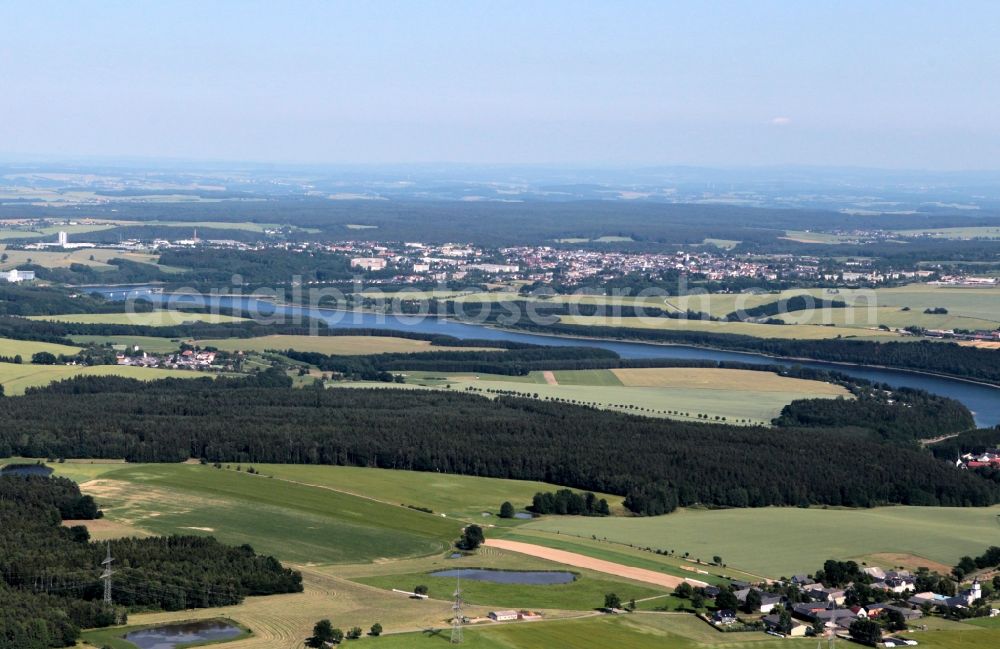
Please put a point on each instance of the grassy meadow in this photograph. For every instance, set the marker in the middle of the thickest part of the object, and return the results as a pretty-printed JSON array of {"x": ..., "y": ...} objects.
[
  {"x": 155, "y": 318},
  {"x": 792, "y": 331},
  {"x": 455, "y": 495},
  {"x": 150, "y": 344},
  {"x": 777, "y": 542},
  {"x": 341, "y": 345},
  {"x": 294, "y": 522},
  {"x": 96, "y": 258},
  {"x": 16, "y": 378},
  {"x": 741, "y": 396},
  {"x": 25, "y": 348}
]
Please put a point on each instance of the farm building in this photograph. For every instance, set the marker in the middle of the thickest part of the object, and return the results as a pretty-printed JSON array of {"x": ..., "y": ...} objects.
[{"x": 503, "y": 616}]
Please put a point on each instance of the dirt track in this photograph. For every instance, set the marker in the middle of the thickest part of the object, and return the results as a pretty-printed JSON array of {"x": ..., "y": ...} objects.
[
  {"x": 599, "y": 565},
  {"x": 550, "y": 377}
]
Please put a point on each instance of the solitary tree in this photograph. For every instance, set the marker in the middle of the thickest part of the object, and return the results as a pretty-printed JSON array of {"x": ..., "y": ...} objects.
[
  {"x": 354, "y": 633},
  {"x": 611, "y": 600},
  {"x": 472, "y": 538},
  {"x": 420, "y": 590},
  {"x": 683, "y": 590},
  {"x": 376, "y": 630},
  {"x": 322, "y": 633},
  {"x": 507, "y": 510},
  {"x": 43, "y": 358}
]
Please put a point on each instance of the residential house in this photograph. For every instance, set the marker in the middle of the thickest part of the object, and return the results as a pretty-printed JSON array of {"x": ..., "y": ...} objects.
[
  {"x": 724, "y": 616},
  {"x": 773, "y": 623}
]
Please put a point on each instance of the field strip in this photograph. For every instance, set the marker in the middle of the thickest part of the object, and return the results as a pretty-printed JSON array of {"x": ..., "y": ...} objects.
[
  {"x": 598, "y": 565},
  {"x": 550, "y": 377}
]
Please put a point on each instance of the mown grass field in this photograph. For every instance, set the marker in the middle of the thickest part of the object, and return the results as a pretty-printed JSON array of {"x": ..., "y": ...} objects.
[
  {"x": 157, "y": 318},
  {"x": 678, "y": 393},
  {"x": 782, "y": 541},
  {"x": 52, "y": 259},
  {"x": 791, "y": 331},
  {"x": 454, "y": 495},
  {"x": 584, "y": 594},
  {"x": 9, "y": 231},
  {"x": 25, "y": 348},
  {"x": 146, "y": 343},
  {"x": 724, "y": 379},
  {"x": 342, "y": 345},
  {"x": 294, "y": 522},
  {"x": 16, "y": 378},
  {"x": 637, "y": 631},
  {"x": 982, "y": 232}
]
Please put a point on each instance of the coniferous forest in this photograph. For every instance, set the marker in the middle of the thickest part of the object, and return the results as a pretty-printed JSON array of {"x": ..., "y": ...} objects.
[
  {"x": 658, "y": 464},
  {"x": 49, "y": 573}
]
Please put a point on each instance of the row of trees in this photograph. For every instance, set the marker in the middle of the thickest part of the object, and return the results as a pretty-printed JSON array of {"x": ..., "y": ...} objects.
[{"x": 566, "y": 502}]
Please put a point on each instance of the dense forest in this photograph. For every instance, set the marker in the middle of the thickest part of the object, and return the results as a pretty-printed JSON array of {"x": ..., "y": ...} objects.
[
  {"x": 501, "y": 224},
  {"x": 514, "y": 362},
  {"x": 49, "y": 586},
  {"x": 17, "y": 300},
  {"x": 658, "y": 464},
  {"x": 899, "y": 415}
]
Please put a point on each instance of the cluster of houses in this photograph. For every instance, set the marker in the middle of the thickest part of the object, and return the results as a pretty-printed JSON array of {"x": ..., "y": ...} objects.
[
  {"x": 185, "y": 360},
  {"x": 979, "y": 460},
  {"x": 827, "y": 606}
]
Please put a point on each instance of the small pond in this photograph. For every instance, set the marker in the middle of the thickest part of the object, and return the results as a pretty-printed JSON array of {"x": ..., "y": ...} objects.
[
  {"x": 26, "y": 469},
  {"x": 531, "y": 577},
  {"x": 174, "y": 635}
]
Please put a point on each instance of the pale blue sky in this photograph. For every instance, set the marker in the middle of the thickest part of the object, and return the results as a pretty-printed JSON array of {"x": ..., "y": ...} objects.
[{"x": 889, "y": 84}]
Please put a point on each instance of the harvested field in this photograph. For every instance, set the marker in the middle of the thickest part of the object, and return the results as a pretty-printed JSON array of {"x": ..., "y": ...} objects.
[{"x": 590, "y": 563}]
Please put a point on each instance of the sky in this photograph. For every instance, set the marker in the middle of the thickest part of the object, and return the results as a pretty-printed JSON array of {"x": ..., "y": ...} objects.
[{"x": 904, "y": 84}]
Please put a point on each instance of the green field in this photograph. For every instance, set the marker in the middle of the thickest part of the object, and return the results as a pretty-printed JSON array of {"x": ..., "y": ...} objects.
[
  {"x": 678, "y": 393},
  {"x": 454, "y": 495},
  {"x": 791, "y": 331},
  {"x": 784, "y": 541},
  {"x": 343, "y": 345},
  {"x": 16, "y": 378},
  {"x": 156, "y": 318},
  {"x": 637, "y": 631},
  {"x": 150, "y": 344},
  {"x": 10, "y": 348},
  {"x": 584, "y": 594},
  {"x": 7, "y": 231},
  {"x": 96, "y": 258},
  {"x": 983, "y": 232},
  {"x": 294, "y": 522}
]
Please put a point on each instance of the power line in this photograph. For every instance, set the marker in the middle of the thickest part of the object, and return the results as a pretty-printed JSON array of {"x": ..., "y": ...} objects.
[{"x": 106, "y": 577}]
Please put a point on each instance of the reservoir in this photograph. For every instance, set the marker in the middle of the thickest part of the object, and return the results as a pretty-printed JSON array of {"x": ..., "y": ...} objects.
[{"x": 982, "y": 400}]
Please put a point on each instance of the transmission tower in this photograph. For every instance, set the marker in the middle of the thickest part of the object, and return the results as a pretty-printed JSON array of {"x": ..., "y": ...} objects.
[
  {"x": 106, "y": 576},
  {"x": 458, "y": 617}
]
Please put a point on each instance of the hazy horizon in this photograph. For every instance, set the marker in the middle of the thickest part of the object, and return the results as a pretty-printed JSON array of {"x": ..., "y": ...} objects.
[{"x": 897, "y": 86}]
